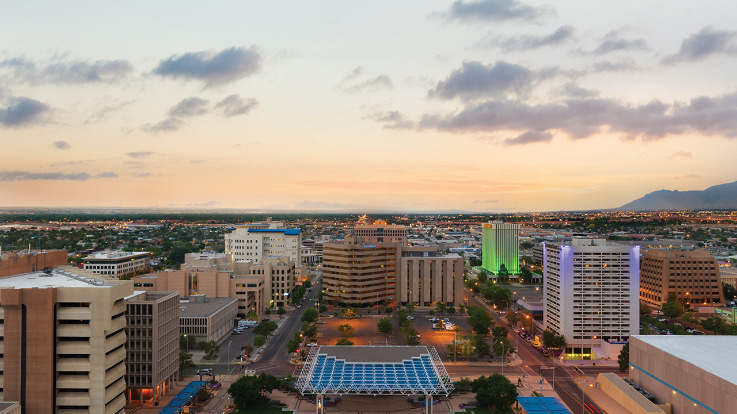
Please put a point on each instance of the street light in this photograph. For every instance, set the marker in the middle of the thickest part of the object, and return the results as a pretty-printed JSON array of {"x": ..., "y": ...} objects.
[
  {"x": 187, "y": 339},
  {"x": 229, "y": 342}
]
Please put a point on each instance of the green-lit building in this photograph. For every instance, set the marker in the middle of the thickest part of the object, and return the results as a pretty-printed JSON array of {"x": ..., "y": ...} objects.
[{"x": 500, "y": 246}]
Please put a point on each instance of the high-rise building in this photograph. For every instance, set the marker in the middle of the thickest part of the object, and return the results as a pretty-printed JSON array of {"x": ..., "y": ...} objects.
[
  {"x": 426, "y": 277},
  {"x": 152, "y": 345},
  {"x": 591, "y": 295},
  {"x": 500, "y": 247},
  {"x": 254, "y": 241},
  {"x": 117, "y": 263},
  {"x": 356, "y": 272},
  {"x": 691, "y": 277},
  {"x": 63, "y": 342},
  {"x": 380, "y": 232}
]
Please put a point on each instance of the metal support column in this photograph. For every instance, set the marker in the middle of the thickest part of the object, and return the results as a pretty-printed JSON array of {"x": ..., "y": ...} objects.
[{"x": 320, "y": 403}]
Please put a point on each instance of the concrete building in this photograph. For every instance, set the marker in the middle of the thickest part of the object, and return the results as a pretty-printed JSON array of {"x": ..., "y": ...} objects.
[
  {"x": 425, "y": 277},
  {"x": 591, "y": 295},
  {"x": 254, "y": 241},
  {"x": 694, "y": 374},
  {"x": 63, "y": 342},
  {"x": 152, "y": 345},
  {"x": 26, "y": 261},
  {"x": 691, "y": 277},
  {"x": 207, "y": 319},
  {"x": 357, "y": 272},
  {"x": 500, "y": 246},
  {"x": 380, "y": 232},
  {"x": 117, "y": 263}
]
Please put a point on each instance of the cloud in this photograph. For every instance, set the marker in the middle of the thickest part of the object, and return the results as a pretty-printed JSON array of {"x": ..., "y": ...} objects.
[
  {"x": 23, "y": 112},
  {"x": 67, "y": 72},
  {"x": 391, "y": 120},
  {"x": 61, "y": 145},
  {"x": 574, "y": 91},
  {"x": 226, "y": 66},
  {"x": 323, "y": 205},
  {"x": 52, "y": 176},
  {"x": 623, "y": 65},
  {"x": 527, "y": 42},
  {"x": 353, "y": 83},
  {"x": 106, "y": 111},
  {"x": 585, "y": 117},
  {"x": 613, "y": 43},
  {"x": 142, "y": 175},
  {"x": 703, "y": 44},
  {"x": 688, "y": 177},
  {"x": 529, "y": 137},
  {"x": 681, "y": 154},
  {"x": 140, "y": 154},
  {"x": 476, "y": 80},
  {"x": 484, "y": 201},
  {"x": 205, "y": 204},
  {"x": 166, "y": 125},
  {"x": 496, "y": 10},
  {"x": 189, "y": 107},
  {"x": 234, "y": 105}
]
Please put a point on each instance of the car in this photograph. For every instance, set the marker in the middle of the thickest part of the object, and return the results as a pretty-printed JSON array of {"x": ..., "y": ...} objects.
[
  {"x": 204, "y": 371},
  {"x": 237, "y": 332},
  {"x": 311, "y": 344},
  {"x": 446, "y": 320},
  {"x": 320, "y": 322},
  {"x": 433, "y": 320},
  {"x": 411, "y": 318}
]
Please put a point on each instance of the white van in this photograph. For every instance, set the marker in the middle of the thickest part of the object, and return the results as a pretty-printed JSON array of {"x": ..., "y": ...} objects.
[{"x": 247, "y": 324}]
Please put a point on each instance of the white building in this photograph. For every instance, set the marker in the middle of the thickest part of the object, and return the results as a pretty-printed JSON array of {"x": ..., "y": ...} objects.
[
  {"x": 591, "y": 295},
  {"x": 117, "y": 263},
  {"x": 254, "y": 241}
]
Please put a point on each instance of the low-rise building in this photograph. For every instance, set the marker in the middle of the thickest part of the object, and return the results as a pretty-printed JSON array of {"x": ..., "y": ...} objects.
[
  {"x": 117, "y": 263},
  {"x": 426, "y": 277},
  {"x": 207, "y": 319},
  {"x": 691, "y": 277}
]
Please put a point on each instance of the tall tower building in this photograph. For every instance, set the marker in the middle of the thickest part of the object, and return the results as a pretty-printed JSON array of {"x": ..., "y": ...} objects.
[
  {"x": 690, "y": 277},
  {"x": 255, "y": 241},
  {"x": 591, "y": 295},
  {"x": 380, "y": 232},
  {"x": 500, "y": 246}
]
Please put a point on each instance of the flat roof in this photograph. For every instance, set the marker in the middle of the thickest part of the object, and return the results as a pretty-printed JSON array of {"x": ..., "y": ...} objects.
[
  {"x": 374, "y": 353},
  {"x": 115, "y": 254},
  {"x": 55, "y": 279},
  {"x": 288, "y": 232},
  {"x": 203, "y": 309},
  {"x": 703, "y": 351},
  {"x": 542, "y": 405}
]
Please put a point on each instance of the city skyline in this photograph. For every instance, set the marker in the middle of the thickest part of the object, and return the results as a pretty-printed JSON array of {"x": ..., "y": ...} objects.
[{"x": 478, "y": 106}]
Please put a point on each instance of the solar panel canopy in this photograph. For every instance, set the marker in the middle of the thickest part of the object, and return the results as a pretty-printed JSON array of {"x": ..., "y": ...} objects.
[
  {"x": 374, "y": 370},
  {"x": 542, "y": 405}
]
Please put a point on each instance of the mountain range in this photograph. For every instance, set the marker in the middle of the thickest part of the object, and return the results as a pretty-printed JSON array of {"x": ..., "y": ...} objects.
[{"x": 723, "y": 196}]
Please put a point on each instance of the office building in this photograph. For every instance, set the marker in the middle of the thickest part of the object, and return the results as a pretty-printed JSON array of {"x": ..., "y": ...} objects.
[
  {"x": 255, "y": 241},
  {"x": 356, "y": 272},
  {"x": 152, "y": 346},
  {"x": 26, "y": 261},
  {"x": 691, "y": 277},
  {"x": 694, "y": 374},
  {"x": 500, "y": 247},
  {"x": 426, "y": 277},
  {"x": 63, "y": 342},
  {"x": 380, "y": 232},
  {"x": 117, "y": 263},
  {"x": 591, "y": 295},
  {"x": 207, "y": 319}
]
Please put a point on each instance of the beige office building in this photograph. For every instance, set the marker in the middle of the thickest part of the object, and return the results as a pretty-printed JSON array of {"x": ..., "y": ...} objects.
[
  {"x": 380, "y": 232},
  {"x": 691, "y": 277},
  {"x": 426, "y": 278},
  {"x": 207, "y": 319},
  {"x": 255, "y": 241},
  {"x": 117, "y": 263},
  {"x": 25, "y": 261},
  {"x": 152, "y": 346},
  {"x": 63, "y": 342}
]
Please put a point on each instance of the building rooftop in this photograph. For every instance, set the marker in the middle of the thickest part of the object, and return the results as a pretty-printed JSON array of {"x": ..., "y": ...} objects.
[
  {"x": 115, "y": 254},
  {"x": 55, "y": 279},
  {"x": 703, "y": 351},
  {"x": 374, "y": 353},
  {"x": 202, "y": 309},
  {"x": 288, "y": 232}
]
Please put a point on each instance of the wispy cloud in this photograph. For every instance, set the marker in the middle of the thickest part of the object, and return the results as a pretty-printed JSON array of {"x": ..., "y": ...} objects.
[
  {"x": 612, "y": 42},
  {"x": 227, "y": 66},
  {"x": 355, "y": 82},
  {"x": 391, "y": 120},
  {"x": 703, "y": 44},
  {"x": 61, "y": 145},
  {"x": 235, "y": 105},
  {"x": 528, "y": 42},
  {"x": 688, "y": 177},
  {"x": 139, "y": 154},
  {"x": 63, "y": 71},
  {"x": 24, "y": 112},
  {"x": 106, "y": 111},
  {"x": 53, "y": 176},
  {"x": 496, "y": 10},
  {"x": 189, "y": 107},
  {"x": 681, "y": 154},
  {"x": 529, "y": 137}
]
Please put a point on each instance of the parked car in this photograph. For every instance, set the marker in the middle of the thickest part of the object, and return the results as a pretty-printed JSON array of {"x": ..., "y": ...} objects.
[
  {"x": 204, "y": 371},
  {"x": 313, "y": 344},
  {"x": 410, "y": 317}
]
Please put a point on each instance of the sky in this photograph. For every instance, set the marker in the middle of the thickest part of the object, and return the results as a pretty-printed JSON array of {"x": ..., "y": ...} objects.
[{"x": 427, "y": 105}]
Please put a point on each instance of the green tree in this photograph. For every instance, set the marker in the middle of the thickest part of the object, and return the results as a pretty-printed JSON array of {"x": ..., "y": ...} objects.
[
  {"x": 411, "y": 336},
  {"x": 730, "y": 292},
  {"x": 503, "y": 275},
  {"x": 311, "y": 314},
  {"x": 475, "y": 262},
  {"x": 672, "y": 308},
  {"x": 265, "y": 328},
  {"x": 499, "y": 332},
  {"x": 281, "y": 311},
  {"x": 502, "y": 347},
  {"x": 211, "y": 348},
  {"x": 323, "y": 308},
  {"x": 497, "y": 295},
  {"x": 259, "y": 341},
  {"x": 388, "y": 309},
  {"x": 187, "y": 342},
  {"x": 252, "y": 390},
  {"x": 480, "y": 320},
  {"x": 495, "y": 392},
  {"x": 441, "y": 307},
  {"x": 482, "y": 347},
  {"x": 385, "y": 326},
  {"x": 645, "y": 310},
  {"x": 293, "y": 344},
  {"x": 482, "y": 277},
  {"x": 185, "y": 361},
  {"x": 526, "y": 275},
  {"x": 309, "y": 329},
  {"x": 349, "y": 313},
  {"x": 307, "y": 284},
  {"x": 344, "y": 341},
  {"x": 512, "y": 317},
  {"x": 624, "y": 357},
  {"x": 345, "y": 330},
  {"x": 553, "y": 340},
  {"x": 202, "y": 395}
]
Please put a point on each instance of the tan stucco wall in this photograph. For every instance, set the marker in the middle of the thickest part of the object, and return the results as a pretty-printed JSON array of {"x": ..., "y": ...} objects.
[{"x": 614, "y": 386}]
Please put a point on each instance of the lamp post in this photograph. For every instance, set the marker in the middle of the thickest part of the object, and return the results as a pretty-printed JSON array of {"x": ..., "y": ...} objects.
[
  {"x": 187, "y": 339},
  {"x": 229, "y": 342},
  {"x": 537, "y": 289}
]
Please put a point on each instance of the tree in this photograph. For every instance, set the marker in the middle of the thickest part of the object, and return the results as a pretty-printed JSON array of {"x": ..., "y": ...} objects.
[
  {"x": 645, "y": 310},
  {"x": 323, "y": 308},
  {"x": 281, "y": 311},
  {"x": 251, "y": 390},
  {"x": 311, "y": 314},
  {"x": 499, "y": 332},
  {"x": 267, "y": 311},
  {"x": 672, "y": 308},
  {"x": 482, "y": 347},
  {"x": 187, "y": 342},
  {"x": 462, "y": 346},
  {"x": 385, "y": 326},
  {"x": 503, "y": 275},
  {"x": 512, "y": 317},
  {"x": 497, "y": 295},
  {"x": 293, "y": 344},
  {"x": 349, "y": 313},
  {"x": 411, "y": 336},
  {"x": 344, "y": 341},
  {"x": 265, "y": 328},
  {"x": 451, "y": 310},
  {"x": 483, "y": 276},
  {"x": 185, "y": 361},
  {"x": 730, "y": 292},
  {"x": 526, "y": 275},
  {"x": 441, "y": 307},
  {"x": 259, "y": 341},
  {"x": 345, "y": 330},
  {"x": 502, "y": 347},
  {"x": 553, "y": 340},
  {"x": 624, "y": 357},
  {"x": 307, "y": 284},
  {"x": 410, "y": 307},
  {"x": 495, "y": 391},
  {"x": 211, "y": 348},
  {"x": 202, "y": 395},
  {"x": 309, "y": 329},
  {"x": 474, "y": 262},
  {"x": 480, "y": 320}
]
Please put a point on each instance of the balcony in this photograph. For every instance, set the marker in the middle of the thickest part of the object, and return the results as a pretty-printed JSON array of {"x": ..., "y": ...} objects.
[
  {"x": 73, "y": 364},
  {"x": 74, "y": 314},
  {"x": 73, "y": 381},
  {"x": 73, "y": 331},
  {"x": 73, "y": 347},
  {"x": 73, "y": 398}
]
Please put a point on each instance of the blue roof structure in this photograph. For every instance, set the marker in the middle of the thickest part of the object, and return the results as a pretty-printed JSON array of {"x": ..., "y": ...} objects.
[
  {"x": 183, "y": 398},
  {"x": 374, "y": 370},
  {"x": 542, "y": 405},
  {"x": 288, "y": 232}
]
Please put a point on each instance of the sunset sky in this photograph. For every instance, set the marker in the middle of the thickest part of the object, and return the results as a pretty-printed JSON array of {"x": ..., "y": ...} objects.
[{"x": 484, "y": 106}]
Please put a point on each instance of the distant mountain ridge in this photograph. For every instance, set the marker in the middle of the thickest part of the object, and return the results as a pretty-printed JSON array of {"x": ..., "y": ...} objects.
[{"x": 722, "y": 196}]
